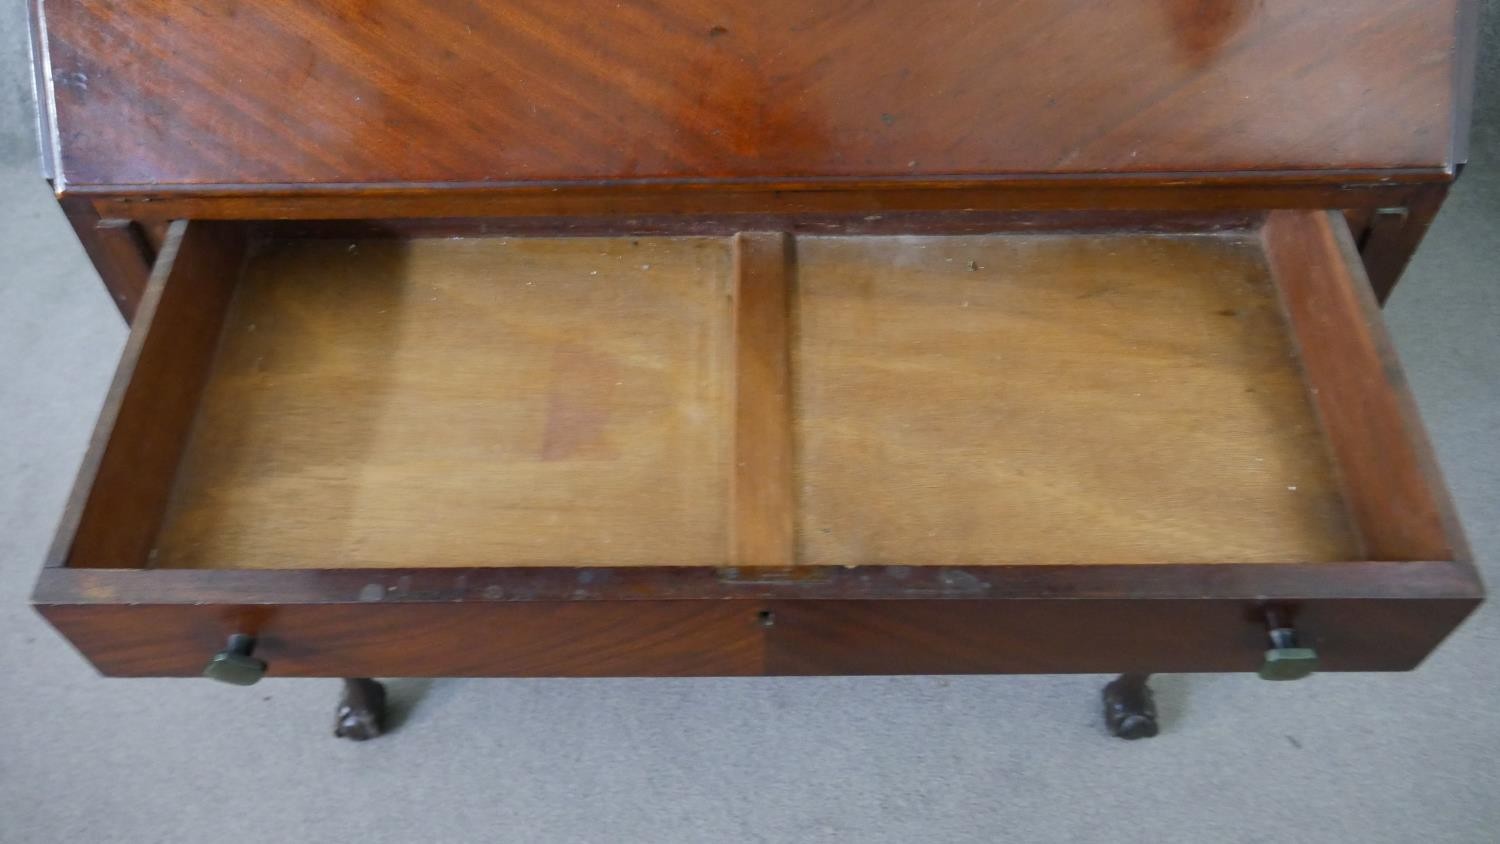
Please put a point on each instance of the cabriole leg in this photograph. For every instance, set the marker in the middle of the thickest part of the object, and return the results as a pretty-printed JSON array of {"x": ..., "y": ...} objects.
[
  {"x": 361, "y": 714},
  {"x": 1129, "y": 710}
]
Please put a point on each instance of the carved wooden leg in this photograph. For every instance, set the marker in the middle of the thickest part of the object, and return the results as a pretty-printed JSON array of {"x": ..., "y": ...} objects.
[
  {"x": 1129, "y": 710},
  {"x": 361, "y": 711}
]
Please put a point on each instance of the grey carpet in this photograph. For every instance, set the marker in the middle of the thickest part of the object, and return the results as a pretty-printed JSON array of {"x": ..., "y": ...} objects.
[{"x": 1346, "y": 758}]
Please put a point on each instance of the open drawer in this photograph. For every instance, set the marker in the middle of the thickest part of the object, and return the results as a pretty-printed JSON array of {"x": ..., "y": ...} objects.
[{"x": 1005, "y": 451}]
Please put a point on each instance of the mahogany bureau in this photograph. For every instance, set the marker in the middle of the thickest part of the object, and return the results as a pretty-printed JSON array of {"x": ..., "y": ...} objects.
[{"x": 696, "y": 337}]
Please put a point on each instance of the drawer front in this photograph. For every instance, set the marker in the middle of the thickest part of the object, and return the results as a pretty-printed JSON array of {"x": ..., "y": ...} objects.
[
  {"x": 872, "y": 620},
  {"x": 618, "y": 639},
  {"x": 735, "y": 638},
  {"x": 1095, "y": 636},
  {"x": 997, "y": 452}
]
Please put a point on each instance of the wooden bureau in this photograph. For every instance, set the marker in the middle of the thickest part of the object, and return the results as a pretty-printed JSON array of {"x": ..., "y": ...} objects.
[{"x": 514, "y": 338}]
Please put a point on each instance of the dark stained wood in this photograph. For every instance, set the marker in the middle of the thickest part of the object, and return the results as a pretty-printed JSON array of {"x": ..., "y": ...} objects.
[
  {"x": 889, "y": 223},
  {"x": 361, "y": 715},
  {"x": 1389, "y": 477},
  {"x": 1358, "y": 220},
  {"x": 1040, "y": 636},
  {"x": 1149, "y": 113},
  {"x": 118, "y": 251},
  {"x": 613, "y": 622},
  {"x": 762, "y": 504},
  {"x": 561, "y": 639},
  {"x": 1441, "y": 580},
  {"x": 1232, "y": 193},
  {"x": 443, "y": 91},
  {"x": 699, "y": 621},
  {"x": 693, "y": 622},
  {"x": 1393, "y": 236},
  {"x": 155, "y": 234},
  {"x": 680, "y": 621},
  {"x": 1130, "y": 707},
  {"x": 128, "y": 471}
]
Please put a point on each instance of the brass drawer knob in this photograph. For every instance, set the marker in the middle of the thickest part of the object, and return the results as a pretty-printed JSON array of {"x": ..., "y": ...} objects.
[
  {"x": 1286, "y": 659},
  {"x": 234, "y": 664}
]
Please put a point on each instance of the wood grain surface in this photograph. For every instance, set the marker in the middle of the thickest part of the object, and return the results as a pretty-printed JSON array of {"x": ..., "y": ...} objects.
[
  {"x": 128, "y": 473},
  {"x": 729, "y": 638},
  {"x": 464, "y": 402},
  {"x": 974, "y": 400},
  {"x": 716, "y": 204},
  {"x": 152, "y": 93},
  {"x": 677, "y": 622},
  {"x": 769, "y": 453},
  {"x": 762, "y": 503},
  {"x": 1396, "y": 495},
  {"x": 1056, "y": 399}
]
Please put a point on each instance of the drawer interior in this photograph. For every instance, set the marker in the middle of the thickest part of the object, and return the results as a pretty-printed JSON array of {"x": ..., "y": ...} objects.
[
  {"x": 1002, "y": 398},
  {"x": 472, "y": 401},
  {"x": 1054, "y": 398}
]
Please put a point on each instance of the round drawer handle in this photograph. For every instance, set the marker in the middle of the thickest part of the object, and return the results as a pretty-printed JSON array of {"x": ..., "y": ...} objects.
[
  {"x": 1286, "y": 659},
  {"x": 234, "y": 664}
]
